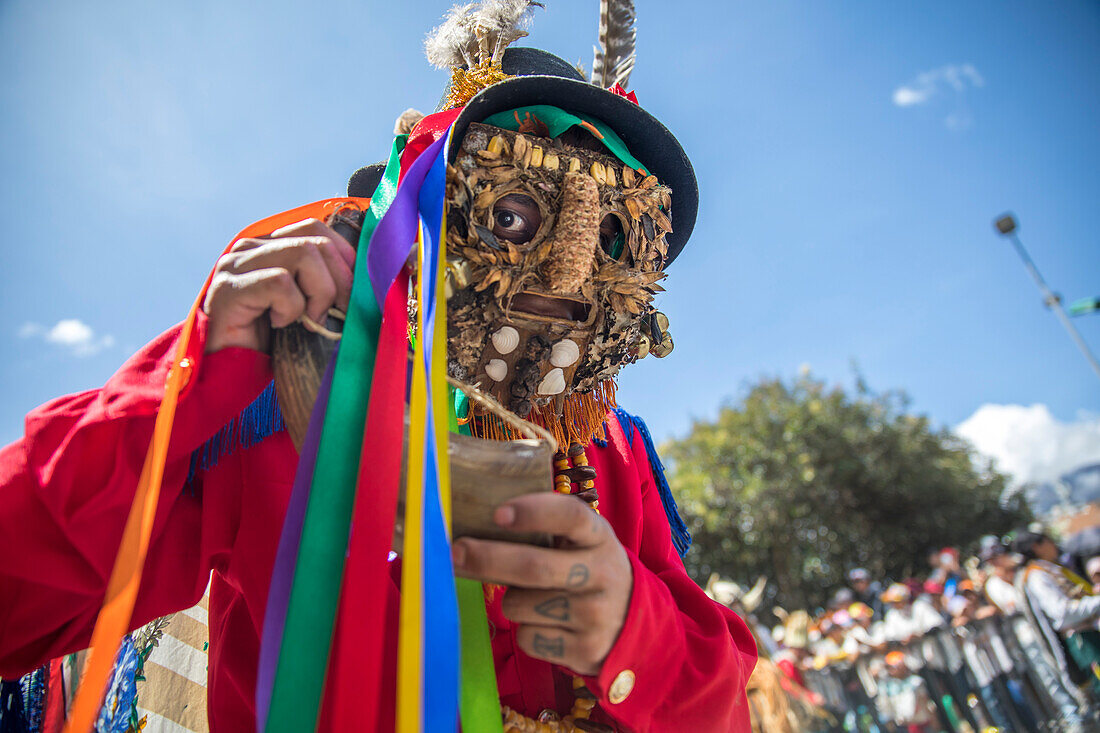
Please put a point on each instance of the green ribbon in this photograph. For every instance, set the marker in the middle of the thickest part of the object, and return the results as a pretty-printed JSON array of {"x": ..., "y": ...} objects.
[
  {"x": 558, "y": 121},
  {"x": 479, "y": 702},
  {"x": 315, "y": 594}
]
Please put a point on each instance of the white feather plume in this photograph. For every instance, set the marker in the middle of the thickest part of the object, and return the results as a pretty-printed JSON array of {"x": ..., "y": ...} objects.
[
  {"x": 615, "y": 54},
  {"x": 477, "y": 33}
]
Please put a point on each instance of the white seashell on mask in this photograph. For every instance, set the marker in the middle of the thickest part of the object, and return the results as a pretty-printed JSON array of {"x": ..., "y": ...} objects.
[
  {"x": 496, "y": 369},
  {"x": 565, "y": 353},
  {"x": 553, "y": 382},
  {"x": 506, "y": 340}
]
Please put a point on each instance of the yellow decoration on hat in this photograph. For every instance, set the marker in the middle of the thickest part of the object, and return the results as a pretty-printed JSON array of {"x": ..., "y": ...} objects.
[
  {"x": 471, "y": 42},
  {"x": 465, "y": 83}
]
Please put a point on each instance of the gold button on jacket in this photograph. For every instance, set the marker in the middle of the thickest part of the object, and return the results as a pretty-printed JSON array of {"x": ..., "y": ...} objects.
[{"x": 621, "y": 687}]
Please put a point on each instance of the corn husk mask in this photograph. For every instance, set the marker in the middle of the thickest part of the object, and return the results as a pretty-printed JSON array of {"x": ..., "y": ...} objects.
[{"x": 554, "y": 255}]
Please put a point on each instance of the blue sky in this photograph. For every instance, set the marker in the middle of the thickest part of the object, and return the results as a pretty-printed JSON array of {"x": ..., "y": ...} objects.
[{"x": 851, "y": 157}]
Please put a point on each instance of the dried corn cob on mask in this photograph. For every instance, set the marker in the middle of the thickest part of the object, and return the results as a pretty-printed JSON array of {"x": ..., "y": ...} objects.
[{"x": 554, "y": 255}]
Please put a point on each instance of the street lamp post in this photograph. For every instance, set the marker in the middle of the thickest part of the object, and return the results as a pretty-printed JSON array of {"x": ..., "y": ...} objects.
[{"x": 1006, "y": 225}]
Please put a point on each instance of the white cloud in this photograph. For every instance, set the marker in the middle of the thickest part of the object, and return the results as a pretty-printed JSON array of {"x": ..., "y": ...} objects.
[
  {"x": 69, "y": 333},
  {"x": 908, "y": 96},
  {"x": 1029, "y": 444},
  {"x": 957, "y": 77}
]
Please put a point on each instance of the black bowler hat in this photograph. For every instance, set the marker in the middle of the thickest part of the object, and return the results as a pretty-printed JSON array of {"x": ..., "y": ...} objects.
[{"x": 540, "y": 77}]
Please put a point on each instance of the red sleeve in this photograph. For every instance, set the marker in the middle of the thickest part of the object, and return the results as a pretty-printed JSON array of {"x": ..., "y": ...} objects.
[
  {"x": 681, "y": 661},
  {"x": 67, "y": 485}
]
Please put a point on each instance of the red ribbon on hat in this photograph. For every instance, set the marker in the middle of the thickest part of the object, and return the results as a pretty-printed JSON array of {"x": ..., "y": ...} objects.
[{"x": 617, "y": 88}]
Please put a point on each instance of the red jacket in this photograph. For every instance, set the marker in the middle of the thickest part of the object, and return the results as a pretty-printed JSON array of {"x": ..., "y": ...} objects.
[{"x": 65, "y": 489}]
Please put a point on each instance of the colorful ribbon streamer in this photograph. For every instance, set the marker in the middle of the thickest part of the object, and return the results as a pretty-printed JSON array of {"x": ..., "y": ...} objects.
[
  {"x": 416, "y": 214},
  {"x": 350, "y": 468},
  {"x": 357, "y": 696},
  {"x": 290, "y": 641},
  {"x": 279, "y": 592},
  {"x": 354, "y": 692},
  {"x": 311, "y": 612},
  {"x": 428, "y": 636}
]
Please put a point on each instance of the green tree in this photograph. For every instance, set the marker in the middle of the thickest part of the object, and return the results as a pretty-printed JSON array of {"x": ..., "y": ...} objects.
[{"x": 800, "y": 482}]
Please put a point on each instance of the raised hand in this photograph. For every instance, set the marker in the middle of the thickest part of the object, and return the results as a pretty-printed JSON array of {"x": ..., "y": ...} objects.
[{"x": 270, "y": 282}]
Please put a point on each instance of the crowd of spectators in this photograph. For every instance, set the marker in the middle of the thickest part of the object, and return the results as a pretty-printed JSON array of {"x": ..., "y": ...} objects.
[{"x": 1006, "y": 640}]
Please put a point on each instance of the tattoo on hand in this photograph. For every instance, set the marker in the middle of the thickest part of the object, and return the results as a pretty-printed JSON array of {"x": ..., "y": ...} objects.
[
  {"x": 578, "y": 576},
  {"x": 547, "y": 647},
  {"x": 556, "y": 608}
]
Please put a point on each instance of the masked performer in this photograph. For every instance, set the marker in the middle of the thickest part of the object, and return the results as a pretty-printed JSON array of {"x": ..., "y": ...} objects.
[{"x": 561, "y": 197}]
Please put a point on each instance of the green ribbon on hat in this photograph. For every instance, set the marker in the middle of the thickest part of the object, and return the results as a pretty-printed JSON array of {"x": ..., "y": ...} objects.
[{"x": 557, "y": 121}]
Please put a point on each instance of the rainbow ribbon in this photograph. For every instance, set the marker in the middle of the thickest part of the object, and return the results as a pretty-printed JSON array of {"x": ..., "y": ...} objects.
[
  {"x": 350, "y": 462},
  {"x": 306, "y": 581},
  {"x": 429, "y": 622},
  {"x": 428, "y": 638}
]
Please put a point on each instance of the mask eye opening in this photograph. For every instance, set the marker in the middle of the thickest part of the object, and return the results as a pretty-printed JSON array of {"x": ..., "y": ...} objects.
[
  {"x": 516, "y": 217},
  {"x": 613, "y": 241}
]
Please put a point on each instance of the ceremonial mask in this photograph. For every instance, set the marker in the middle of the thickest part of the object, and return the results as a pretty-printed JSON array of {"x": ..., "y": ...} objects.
[{"x": 554, "y": 255}]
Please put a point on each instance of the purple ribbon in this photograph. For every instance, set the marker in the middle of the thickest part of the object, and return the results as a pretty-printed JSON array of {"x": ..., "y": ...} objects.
[
  {"x": 396, "y": 233},
  {"x": 282, "y": 576}
]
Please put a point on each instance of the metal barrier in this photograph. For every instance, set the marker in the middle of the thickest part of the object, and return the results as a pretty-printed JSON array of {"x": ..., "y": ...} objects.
[{"x": 985, "y": 675}]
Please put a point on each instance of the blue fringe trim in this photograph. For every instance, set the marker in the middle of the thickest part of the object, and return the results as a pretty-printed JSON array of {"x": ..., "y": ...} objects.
[
  {"x": 22, "y": 701},
  {"x": 12, "y": 719},
  {"x": 258, "y": 421},
  {"x": 681, "y": 537}
]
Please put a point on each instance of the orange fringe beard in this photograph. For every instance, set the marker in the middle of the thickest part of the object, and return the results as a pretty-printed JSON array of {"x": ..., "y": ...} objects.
[{"x": 582, "y": 418}]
